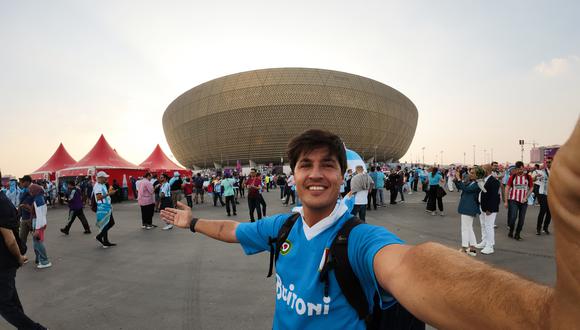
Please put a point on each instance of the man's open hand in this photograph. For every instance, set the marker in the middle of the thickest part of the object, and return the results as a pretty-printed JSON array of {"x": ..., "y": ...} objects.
[{"x": 179, "y": 217}]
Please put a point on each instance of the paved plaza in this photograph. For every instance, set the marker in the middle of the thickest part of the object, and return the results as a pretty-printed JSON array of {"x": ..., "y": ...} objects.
[{"x": 176, "y": 280}]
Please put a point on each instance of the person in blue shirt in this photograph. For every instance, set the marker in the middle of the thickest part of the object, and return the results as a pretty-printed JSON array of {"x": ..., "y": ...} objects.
[
  {"x": 435, "y": 182},
  {"x": 436, "y": 284}
]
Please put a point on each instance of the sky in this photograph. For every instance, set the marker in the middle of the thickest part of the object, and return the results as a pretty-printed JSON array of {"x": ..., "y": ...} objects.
[{"x": 483, "y": 73}]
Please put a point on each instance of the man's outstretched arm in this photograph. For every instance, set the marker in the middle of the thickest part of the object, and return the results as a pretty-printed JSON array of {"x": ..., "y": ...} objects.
[
  {"x": 223, "y": 230},
  {"x": 451, "y": 291}
]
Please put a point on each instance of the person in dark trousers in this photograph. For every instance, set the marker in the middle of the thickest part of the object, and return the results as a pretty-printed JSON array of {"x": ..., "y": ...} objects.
[
  {"x": 105, "y": 220},
  {"x": 11, "y": 257},
  {"x": 75, "y": 205},
  {"x": 281, "y": 182},
  {"x": 544, "y": 217},
  {"x": 394, "y": 179},
  {"x": 372, "y": 197},
  {"x": 518, "y": 188},
  {"x": 254, "y": 185},
  {"x": 435, "y": 180}
]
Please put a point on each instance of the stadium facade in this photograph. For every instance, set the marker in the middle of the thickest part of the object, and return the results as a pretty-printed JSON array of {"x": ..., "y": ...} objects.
[{"x": 251, "y": 116}]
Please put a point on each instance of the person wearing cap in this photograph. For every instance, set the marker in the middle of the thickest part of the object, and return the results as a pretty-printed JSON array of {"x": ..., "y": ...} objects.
[{"x": 105, "y": 220}]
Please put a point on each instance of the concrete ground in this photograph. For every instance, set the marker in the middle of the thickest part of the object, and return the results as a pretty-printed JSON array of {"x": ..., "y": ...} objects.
[{"x": 175, "y": 280}]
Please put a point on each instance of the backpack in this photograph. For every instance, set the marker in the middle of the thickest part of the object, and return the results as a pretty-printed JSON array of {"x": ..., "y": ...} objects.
[{"x": 395, "y": 317}]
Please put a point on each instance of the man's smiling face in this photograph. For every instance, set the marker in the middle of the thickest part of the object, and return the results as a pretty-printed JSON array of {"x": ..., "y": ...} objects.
[{"x": 318, "y": 178}]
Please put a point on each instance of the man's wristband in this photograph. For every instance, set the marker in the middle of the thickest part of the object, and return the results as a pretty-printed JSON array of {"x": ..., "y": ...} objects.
[{"x": 192, "y": 224}]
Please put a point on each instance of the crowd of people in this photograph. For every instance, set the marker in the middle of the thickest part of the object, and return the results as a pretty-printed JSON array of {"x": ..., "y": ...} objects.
[{"x": 483, "y": 189}]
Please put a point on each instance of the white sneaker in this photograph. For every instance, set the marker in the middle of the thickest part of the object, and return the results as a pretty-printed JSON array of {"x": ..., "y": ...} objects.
[
  {"x": 433, "y": 213},
  {"x": 41, "y": 266},
  {"x": 168, "y": 227},
  {"x": 480, "y": 245},
  {"x": 143, "y": 227},
  {"x": 487, "y": 250},
  {"x": 471, "y": 253},
  {"x": 442, "y": 214}
]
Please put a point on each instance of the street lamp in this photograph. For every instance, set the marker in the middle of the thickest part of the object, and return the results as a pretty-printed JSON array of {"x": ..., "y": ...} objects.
[
  {"x": 464, "y": 158},
  {"x": 423, "y": 155},
  {"x": 522, "y": 148}
]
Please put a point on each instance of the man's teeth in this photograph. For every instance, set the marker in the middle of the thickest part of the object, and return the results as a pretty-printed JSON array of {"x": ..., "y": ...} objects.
[{"x": 316, "y": 188}]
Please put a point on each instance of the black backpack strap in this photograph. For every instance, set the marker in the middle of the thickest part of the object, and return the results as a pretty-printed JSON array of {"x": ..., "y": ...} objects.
[
  {"x": 345, "y": 276},
  {"x": 276, "y": 242}
]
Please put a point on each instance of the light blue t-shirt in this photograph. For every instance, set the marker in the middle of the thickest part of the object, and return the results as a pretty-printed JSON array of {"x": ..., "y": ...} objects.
[
  {"x": 300, "y": 301},
  {"x": 228, "y": 184},
  {"x": 434, "y": 179},
  {"x": 379, "y": 179}
]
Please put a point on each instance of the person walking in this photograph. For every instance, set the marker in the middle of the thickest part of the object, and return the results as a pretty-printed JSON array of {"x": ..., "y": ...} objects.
[
  {"x": 39, "y": 224},
  {"x": 229, "y": 193},
  {"x": 146, "y": 201},
  {"x": 360, "y": 186},
  {"x": 468, "y": 209},
  {"x": 11, "y": 258},
  {"x": 544, "y": 216},
  {"x": 490, "y": 199},
  {"x": 105, "y": 219},
  {"x": 254, "y": 185},
  {"x": 518, "y": 188},
  {"x": 75, "y": 205},
  {"x": 435, "y": 180}
]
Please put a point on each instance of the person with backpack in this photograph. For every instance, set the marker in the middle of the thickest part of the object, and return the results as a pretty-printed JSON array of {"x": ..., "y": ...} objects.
[{"x": 321, "y": 249}]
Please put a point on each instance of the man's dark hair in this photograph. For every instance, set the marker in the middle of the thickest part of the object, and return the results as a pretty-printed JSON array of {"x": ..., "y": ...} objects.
[
  {"x": 494, "y": 163},
  {"x": 372, "y": 168},
  {"x": 26, "y": 178},
  {"x": 519, "y": 164},
  {"x": 253, "y": 170},
  {"x": 313, "y": 139},
  {"x": 147, "y": 175},
  {"x": 70, "y": 182}
]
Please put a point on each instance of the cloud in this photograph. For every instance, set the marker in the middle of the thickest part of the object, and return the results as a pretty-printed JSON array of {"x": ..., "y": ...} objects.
[{"x": 558, "y": 66}]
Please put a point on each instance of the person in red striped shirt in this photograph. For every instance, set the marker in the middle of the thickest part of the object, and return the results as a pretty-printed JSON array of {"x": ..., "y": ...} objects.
[{"x": 519, "y": 187}]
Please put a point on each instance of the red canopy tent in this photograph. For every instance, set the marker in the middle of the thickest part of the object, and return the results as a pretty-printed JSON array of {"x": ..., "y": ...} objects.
[
  {"x": 59, "y": 160},
  {"x": 158, "y": 162},
  {"x": 103, "y": 158}
]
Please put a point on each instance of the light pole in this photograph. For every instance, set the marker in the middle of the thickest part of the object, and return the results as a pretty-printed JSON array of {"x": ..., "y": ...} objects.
[
  {"x": 464, "y": 158},
  {"x": 474, "y": 154},
  {"x": 375, "y": 158},
  {"x": 423, "y": 155},
  {"x": 522, "y": 149}
]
